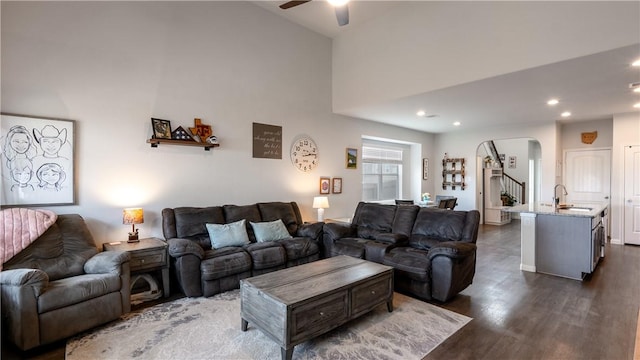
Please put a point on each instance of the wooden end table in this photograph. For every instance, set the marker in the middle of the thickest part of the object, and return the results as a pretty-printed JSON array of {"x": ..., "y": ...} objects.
[{"x": 147, "y": 255}]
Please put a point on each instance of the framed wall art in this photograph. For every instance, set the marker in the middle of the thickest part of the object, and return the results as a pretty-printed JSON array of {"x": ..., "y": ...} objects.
[
  {"x": 336, "y": 185},
  {"x": 325, "y": 185},
  {"x": 161, "y": 128},
  {"x": 425, "y": 169},
  {"x": 352, "y": 158},
  {"x": 39, "y": 161}
]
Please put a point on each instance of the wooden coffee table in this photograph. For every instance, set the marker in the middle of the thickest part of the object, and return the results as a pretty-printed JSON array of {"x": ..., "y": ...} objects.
[{"x": 296, "y": 304}]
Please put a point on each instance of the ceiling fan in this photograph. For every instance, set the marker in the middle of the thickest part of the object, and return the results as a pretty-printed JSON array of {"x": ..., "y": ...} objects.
[{"x": 342, "y": 9}]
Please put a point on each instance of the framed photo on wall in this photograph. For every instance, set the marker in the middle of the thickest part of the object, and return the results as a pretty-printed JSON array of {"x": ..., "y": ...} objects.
[
  {"x": 336, "y": 185},
  {"x": 352, "y": 158},
  {"x": 325, "y": 185},
  {"x": 38, "y": 154},
  {"x": 425, "y": 169},
  {"x": 161, "y": 128}
]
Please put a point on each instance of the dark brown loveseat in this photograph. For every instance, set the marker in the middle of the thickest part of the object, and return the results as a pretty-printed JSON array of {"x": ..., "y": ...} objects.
[
  {"x": 201, "y": 270},
  {"x": 433, "y": 251}
]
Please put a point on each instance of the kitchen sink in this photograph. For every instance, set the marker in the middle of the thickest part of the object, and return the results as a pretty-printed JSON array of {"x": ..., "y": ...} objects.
[{"x": 575, "y": 208}]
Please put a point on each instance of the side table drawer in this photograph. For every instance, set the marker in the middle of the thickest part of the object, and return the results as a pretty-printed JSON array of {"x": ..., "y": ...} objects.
[
  {"x": 366, "y": 296},
  {"x": 148, "y": 259}
]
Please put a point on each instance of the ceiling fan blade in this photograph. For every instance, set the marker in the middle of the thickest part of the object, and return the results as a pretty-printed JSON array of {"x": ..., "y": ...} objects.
[
  {"x": 342, "y": 13},
  {"x": 291, "y": 4}
]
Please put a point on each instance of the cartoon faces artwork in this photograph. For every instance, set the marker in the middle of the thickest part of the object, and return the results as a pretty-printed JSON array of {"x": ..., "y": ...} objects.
[{"x": 37, "y": 161}]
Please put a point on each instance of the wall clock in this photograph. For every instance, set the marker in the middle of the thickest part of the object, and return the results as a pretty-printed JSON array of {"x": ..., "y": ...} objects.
[{"x": 304, "y": 153}]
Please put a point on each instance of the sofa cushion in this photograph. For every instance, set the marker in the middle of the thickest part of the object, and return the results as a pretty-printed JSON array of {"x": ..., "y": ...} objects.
[
  {"x": 288, "y": 212},
  {"x": 410, "y": 262},
  {"x": 270, "y": 231},
  {"x": 76, "y": 289},
  {"x": 190, "y": 223},
  {"x": 372, "y": 219},
  {"x": 232, "y": 234},
  {"x": 219, "y": 263},
  {"x": 438, "y": 225},
  {"x": 233, "y": 213},
  {"x": 265, "y": 255}
]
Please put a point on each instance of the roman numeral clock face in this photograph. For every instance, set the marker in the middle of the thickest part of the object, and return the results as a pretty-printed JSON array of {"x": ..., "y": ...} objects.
[{"x": 304, "y": 154}]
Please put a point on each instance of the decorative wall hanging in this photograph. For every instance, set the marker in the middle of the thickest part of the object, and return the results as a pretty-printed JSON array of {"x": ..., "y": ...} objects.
[
  {"x": 325, "y": 186},
  {"x": 453, "y": 173},
  {"x": 39, "y": 156},
  {"x": 352, "y": 158},
  {"x": 425, "y": 169},
  {"x": 589, "y": 137},
  {"x": 161, "y": 128},
  {"x": 304, "y": 153},
  {"x": 267, "y": 141},
  {"x": 200, "y": 130},
  {"x": 336, "y": 185},
  {"x": 512, "y": 162}
]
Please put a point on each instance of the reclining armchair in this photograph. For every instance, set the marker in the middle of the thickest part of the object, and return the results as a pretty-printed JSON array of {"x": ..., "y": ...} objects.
[{"x": 61, "y": 285}]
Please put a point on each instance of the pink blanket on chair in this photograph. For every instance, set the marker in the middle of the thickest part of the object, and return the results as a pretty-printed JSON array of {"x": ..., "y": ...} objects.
[{"x": 20, "y": 227}]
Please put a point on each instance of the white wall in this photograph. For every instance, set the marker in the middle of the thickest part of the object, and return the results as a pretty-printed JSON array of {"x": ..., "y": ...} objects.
[
  {"x": 572, "y": 138},
  {"x": 465, "y": 144},
  {"x": 111, "y": 66},
  {"x": 422, "y": 46},
  {"x": 626, "y": 131}
]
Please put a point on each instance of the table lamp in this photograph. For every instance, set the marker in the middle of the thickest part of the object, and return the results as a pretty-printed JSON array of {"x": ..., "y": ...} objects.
[
  {"x": 320, "y": 203},
  {"x": 133, "y": 216}
]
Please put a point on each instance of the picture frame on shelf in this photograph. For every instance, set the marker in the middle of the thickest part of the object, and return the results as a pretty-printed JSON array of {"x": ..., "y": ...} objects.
[
  {"x": 351, "y": 158},
  {"x": 325, "y": 185},
  {"x": 39, "y": 154},
  {"x": 425, "y": 169},
  {"x": 336, "y": 185},
  {"x": 161, "y": 128}
]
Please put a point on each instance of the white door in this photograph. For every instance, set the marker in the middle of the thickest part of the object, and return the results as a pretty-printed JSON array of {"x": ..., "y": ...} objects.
[
  {"x": 632, "y": 195},
  {"x": 587, "y": 176}
]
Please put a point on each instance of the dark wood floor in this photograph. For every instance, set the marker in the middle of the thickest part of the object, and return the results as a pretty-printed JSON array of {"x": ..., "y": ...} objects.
[{"x": 521, "y": 315}]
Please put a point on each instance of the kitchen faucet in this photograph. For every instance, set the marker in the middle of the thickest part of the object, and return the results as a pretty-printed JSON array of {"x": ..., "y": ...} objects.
[{"x": 556, "y": 200}]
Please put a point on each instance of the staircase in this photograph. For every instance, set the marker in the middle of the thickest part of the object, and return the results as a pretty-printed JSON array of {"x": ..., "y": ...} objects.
[{"x": 516, "y": 189}]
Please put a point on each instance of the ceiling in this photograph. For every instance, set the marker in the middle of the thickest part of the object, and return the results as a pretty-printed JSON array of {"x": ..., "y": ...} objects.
[{"x": 592, "y": 87}]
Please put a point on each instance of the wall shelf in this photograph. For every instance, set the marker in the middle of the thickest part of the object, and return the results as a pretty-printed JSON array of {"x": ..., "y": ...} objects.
[{"x": 155, "y": 142}]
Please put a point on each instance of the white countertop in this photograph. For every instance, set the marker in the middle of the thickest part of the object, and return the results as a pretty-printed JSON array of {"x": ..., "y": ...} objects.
[{"x": 580, "y": 210}]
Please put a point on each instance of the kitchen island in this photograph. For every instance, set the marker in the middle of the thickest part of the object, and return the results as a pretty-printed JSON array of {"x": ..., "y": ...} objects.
[{"x": 564, "y": 241}]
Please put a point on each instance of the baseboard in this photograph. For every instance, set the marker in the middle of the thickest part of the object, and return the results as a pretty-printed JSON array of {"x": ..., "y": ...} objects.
[
  {"x": 616, "y": 242},
  {"x": 528, "y": 268}
]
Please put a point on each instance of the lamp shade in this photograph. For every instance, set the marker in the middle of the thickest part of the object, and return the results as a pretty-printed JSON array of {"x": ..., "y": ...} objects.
[
  {"x": 320, "y": 202},
  {"x": 132, "y": 216}
]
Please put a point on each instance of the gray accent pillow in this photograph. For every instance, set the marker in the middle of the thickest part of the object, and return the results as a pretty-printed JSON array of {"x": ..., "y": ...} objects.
[
  {"x": 224, "y": 235},
  {"x": 270, "y": 231}
]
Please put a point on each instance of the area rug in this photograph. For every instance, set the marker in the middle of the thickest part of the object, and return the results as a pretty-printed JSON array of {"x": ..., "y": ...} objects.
[{"x": 209, "y": 328}]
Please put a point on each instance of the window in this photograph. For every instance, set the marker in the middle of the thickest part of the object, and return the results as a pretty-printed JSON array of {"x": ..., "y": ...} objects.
[{"x": 381, "y": 172}]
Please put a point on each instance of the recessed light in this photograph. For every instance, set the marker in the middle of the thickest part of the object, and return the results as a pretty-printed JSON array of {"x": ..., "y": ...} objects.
[
  {"x": 553, "y": 102},
  {"x": 457, "y": 123},
  {"x": 421, "y": 113},
  {"x": 636, "y": 63},
  {"x": 565, "y": 114},
  {"x": 637, "y": 106}
]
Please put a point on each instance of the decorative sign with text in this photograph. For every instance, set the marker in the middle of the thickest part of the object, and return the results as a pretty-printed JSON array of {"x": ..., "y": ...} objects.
[{"x": 267, "y": 141}]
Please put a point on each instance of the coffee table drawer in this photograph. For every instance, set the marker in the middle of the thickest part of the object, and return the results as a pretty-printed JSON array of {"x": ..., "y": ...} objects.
[
  {"x": 320, "y": 316},
  {"x": 370, "y": 294}
]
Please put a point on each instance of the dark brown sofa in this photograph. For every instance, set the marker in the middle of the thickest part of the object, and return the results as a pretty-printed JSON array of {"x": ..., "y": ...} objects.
[
  {"x": 433, "y": 251},
  {"x": 201, "y": 270}
]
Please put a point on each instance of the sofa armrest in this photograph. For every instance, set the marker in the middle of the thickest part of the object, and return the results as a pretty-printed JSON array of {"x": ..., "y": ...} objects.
[
  {"x": 311, "y": 230},
  {"x": 390, "y": 238},
  {"x": 25, "y": 277},
  {"x": 107, "y": 262},
  {"x": 335, "y": 231},
  {"x": 180, "y": 247},
  {"x": 452, "y": 249}
]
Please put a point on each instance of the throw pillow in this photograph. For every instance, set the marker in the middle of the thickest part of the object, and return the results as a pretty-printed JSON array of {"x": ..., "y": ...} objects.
[
  {"x": 232, "y": 234},
  {"x": 270, "y": 230}
]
